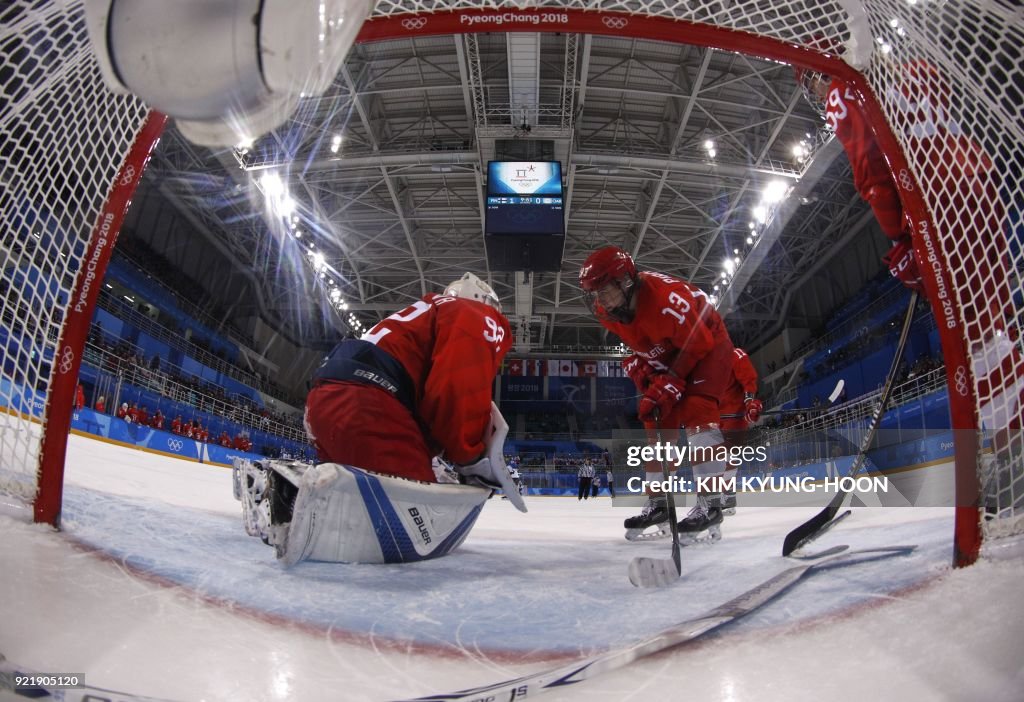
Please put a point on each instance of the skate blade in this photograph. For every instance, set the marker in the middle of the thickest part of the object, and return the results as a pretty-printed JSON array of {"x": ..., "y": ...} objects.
[
  {"x": 663, "y": 532},
  {"x": 706, "y": 538},
  {"x": 729, "y": 512}
]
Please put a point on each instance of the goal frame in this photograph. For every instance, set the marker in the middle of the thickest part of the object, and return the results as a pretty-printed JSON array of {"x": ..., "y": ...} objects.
[{"x": 961, "y": 386}]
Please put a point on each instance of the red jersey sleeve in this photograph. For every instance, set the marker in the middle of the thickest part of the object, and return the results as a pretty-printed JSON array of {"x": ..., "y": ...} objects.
[
  {"x": 471, "y": 339},
  {"x": 844, "y": 117},
  {"x": 744, "y": 372}
]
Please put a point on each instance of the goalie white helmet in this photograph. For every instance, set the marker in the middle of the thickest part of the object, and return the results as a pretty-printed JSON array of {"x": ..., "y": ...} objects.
[{"x": 470, "y": 287}]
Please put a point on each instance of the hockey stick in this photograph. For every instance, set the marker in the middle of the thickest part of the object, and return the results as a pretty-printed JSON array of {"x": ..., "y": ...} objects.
[
  {"x": 758, "y": 596},
  {"x": 658, "y": 572},
  {"x": 816, "y": 525},
  {"x": 832, "y": 397}
]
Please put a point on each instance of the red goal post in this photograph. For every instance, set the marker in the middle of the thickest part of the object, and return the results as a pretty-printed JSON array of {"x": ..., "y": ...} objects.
[{"x": 941, "y": 82}]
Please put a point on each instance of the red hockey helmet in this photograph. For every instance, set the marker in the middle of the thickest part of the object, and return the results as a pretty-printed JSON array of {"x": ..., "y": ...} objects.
[
  {"x": 608, "y": 265},
  {"x": 605, "y": 265}
]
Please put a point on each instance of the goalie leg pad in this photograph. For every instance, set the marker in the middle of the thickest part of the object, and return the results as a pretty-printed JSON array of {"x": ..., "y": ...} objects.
[{"x": 349, "y": 515}]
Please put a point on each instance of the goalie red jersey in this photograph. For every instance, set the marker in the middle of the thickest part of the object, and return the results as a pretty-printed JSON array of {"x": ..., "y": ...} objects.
[{"x": 417, "y": 383}]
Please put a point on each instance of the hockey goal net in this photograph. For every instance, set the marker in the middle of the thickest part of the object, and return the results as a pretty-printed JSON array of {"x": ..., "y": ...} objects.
[{"x": 942, "y": 83}]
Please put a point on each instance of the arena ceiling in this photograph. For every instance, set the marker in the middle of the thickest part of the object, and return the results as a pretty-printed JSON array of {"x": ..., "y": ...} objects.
[{"x": 379, "y": 183}]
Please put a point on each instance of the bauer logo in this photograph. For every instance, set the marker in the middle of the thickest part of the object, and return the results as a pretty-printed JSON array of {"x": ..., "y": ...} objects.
[{"x": 421, "y": 524}]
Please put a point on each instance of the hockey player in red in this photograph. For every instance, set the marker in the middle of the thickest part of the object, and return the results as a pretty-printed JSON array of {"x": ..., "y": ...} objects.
[
  {"x": 871, "y": 174},
  {"x": 424, "y": 374},
  {"x": 963, "y": 181},
  {"x": 415, "y": 386},
  {"x": 681, "y": 362},
  {"x": 740, "y": 398}
]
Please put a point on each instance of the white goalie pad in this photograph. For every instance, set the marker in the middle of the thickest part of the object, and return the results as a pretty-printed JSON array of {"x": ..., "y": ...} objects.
[{"x": 346, "y": 514}]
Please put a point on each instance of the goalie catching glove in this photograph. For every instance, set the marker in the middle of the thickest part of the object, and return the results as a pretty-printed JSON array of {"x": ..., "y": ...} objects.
[
  {"x": 752, "y": 408},
  {"x": 662, "y": 395}
]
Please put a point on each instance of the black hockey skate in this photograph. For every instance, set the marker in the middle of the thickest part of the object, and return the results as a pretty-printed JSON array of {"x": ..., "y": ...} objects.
[
  {"x": 654, "y": 514},
  {"x": 701, "y": 519}
]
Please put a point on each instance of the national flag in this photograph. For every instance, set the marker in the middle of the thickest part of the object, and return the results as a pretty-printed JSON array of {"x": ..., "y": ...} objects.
[
  {"x": 534, "y": 367},
  {"x": 568, "y": 368},
  {"x": 514, "y": 367},
  {"x": 589, "y": 368}
]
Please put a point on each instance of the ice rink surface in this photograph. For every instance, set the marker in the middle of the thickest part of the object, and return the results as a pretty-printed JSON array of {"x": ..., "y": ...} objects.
[{"x": 153, "y": 588}]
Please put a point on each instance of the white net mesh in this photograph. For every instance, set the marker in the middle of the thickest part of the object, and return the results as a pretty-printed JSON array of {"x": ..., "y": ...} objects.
[
  {"x": 950, "y": 80},
  {"x": 62, "y": 138},
  {"x": 947, "y": 76}
]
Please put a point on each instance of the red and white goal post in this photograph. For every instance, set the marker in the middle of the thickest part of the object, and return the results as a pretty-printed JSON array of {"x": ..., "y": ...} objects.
[{"x": 943, "y": 87}]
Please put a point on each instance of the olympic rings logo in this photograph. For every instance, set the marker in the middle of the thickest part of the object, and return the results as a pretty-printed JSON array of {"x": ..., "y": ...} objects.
[
  {"x": 905, "y": 180},
  {"x": 414, "y": 23},
  {"x": 67, "y": 359},
  {"x": 174, "y": 444},
  {"x": 615, "y": 22},
  {"x": 960, "y": 380},
  {"x": 129, "y": 176}
]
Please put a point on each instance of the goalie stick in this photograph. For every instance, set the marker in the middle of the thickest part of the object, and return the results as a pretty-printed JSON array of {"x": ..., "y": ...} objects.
[
  {"x": 682, "y": 632},
  {"x": 819, "y": 523},
  {"x": 657, "y": 572}
]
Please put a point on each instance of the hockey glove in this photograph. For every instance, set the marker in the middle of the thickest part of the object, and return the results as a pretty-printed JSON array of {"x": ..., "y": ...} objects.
[
  {"x": 903, "y": 265},
  {"x": 485, "y": 474},
  {"x": 639, "y": 370},
  {"x": 664, "y": 392},
  {"x": 752, "y": 408}
]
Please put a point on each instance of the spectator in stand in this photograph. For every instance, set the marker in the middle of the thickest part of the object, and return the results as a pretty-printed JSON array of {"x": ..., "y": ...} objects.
[
  {"x": 79, "y": 397},
  {"x": 176, "y": 426},
  {"x": 157, "y": 422},
  {"x": 224, "y": 440},
  {"x": 122, "y": 412},
  {"x": 144, "y": 416},
  {"x": 133, "y": 413},
  {"x": 101, "y": 405}
]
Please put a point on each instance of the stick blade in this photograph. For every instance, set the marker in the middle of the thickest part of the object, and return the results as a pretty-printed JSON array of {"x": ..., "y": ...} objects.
[
  {"x": 653, "y": 572},
  {"x": 838, "y": 391},
  {"x": 803, "y": 533}
]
